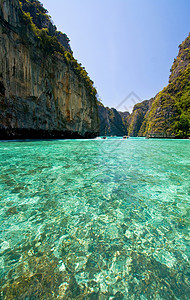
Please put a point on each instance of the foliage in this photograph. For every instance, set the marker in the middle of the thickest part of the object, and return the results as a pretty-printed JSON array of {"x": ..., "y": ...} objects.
[
  {"x": 182, "y": 126},
  {"x": 170, "y": 112},
  {"x": 34, "y": 4},
  {"x": 50, "y": 44}
]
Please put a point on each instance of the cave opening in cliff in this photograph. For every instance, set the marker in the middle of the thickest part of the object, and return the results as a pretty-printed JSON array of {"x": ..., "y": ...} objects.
[{"x": 2, "y": 89}]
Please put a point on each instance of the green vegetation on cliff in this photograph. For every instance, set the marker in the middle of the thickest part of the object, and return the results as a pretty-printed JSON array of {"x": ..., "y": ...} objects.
[
  {"x": 137, "y": 117},
  {"x": 167, "y": 115},
  {"x": 44, "y": 91},
  {"x": 170, "y": 113},
  {"x": 52, "y": 42},
  {"x": 40, "y": 17}
]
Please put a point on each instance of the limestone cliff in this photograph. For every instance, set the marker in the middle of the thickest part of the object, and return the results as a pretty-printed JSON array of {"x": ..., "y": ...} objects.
[
  {"x": 125, "y": 115},
  {"x": 169, "y": 115},
  {"x": 136, "y": 121},
  {"x": 111, "y": 122},
  {"x": 44, "y": 92},
  {"x": 42, "y": 20}
]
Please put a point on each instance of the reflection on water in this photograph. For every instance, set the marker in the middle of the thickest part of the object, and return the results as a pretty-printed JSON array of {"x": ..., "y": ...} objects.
[{"x": 95, "y": 219}]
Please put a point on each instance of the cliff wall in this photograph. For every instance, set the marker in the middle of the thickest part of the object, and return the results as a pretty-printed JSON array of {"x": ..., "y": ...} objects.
[
  {"x": 137, "y": 118},
  {"x": 111, "y": 122},
  {"x": 169, "y": 115},
  {"x": 43, "y": 93}
]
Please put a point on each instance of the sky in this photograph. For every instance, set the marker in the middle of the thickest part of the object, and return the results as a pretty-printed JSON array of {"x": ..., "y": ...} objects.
[{"x": 126, "y": 46}]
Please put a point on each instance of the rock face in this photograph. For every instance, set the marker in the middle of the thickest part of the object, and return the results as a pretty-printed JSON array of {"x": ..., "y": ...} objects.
[
  {"x": 125, "y": 115},
  {"x": 43, "y": 93},
  {"x": 137, "y": 118},
  {"x": 169, "y": 115},
  {"x": 42, "y": 20},
  {"x": 111, "y": 122}
]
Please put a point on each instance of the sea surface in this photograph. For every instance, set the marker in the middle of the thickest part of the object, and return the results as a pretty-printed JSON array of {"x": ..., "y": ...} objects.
[{"x": 95, "y": 219}]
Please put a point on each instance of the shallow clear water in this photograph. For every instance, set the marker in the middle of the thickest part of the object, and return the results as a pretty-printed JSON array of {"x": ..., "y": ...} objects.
[{"x": 95, "y": 219}]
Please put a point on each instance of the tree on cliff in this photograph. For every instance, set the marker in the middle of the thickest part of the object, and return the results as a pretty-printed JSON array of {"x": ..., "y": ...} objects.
[{"x": 182, "y": 126}]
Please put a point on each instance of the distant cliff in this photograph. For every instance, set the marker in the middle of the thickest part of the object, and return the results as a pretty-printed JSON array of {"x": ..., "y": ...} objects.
[
  {"x": 136, "y": 120},
  {"x": 111, "y": 121},
  {"x": 44, "y": 91},
  {"x": 125, "y": 115}
]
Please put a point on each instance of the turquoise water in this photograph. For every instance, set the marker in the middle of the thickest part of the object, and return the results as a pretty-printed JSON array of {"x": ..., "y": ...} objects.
[{"x": 95, "y": 219}]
